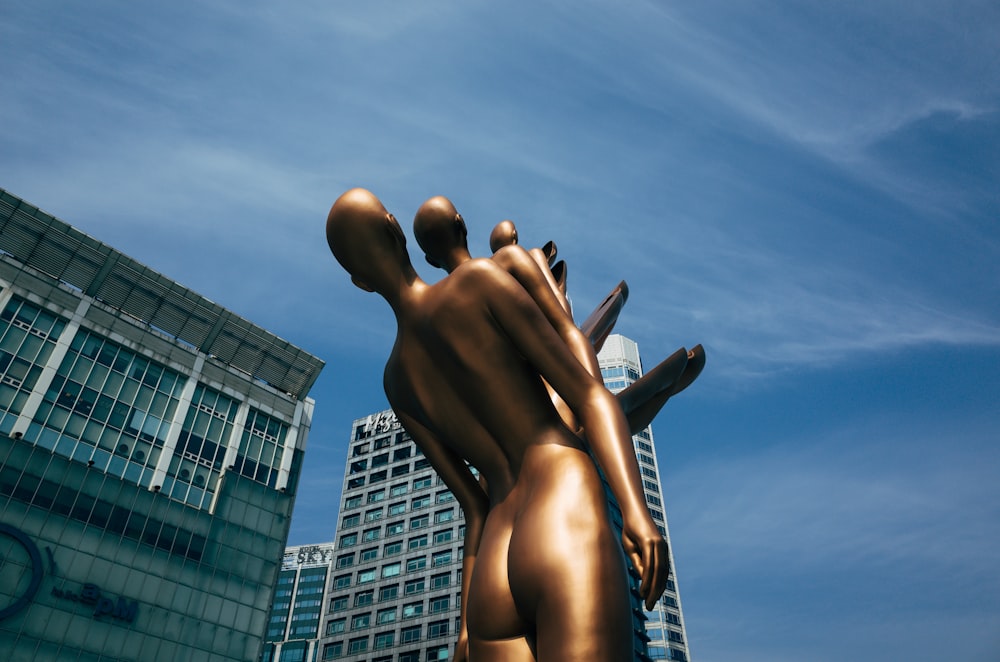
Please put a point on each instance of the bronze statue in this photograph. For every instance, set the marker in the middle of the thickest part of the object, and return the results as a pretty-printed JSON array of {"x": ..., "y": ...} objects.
[{"x": 464, "y": 379}]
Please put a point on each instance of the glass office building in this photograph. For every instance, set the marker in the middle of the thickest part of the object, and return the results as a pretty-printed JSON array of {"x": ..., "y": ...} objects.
[
  {"x": 293, "y": 626},
  {"x": 150, "y": 447},
  {"x": 620, "y": 366},
  {"x": 394, "y": 593}
]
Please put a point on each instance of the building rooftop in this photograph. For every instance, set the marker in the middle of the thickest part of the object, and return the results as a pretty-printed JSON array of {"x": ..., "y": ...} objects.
[{"x": 55, "y": 248}]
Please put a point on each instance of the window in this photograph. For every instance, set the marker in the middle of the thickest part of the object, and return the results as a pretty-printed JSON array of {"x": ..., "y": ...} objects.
[
  {"x": 648, "y": 459},
  {"x": 402, "y": 453},
  {"x": 392, "y": 548},
  {"x": 376, "y": 495},
  {"x": 419, "y": 522},
  {"x": 377, "y": 477},
  {"x": 438, "y": 605},
  {"x": 358, "y": 466},
  {"x": 437, "y": 629},
  {"x": 410, "y": 656},
  {"x": 341, "y": 581},
  {"x": 442, "y": 537},
  {"x": 420, "y": 502},
  {"x": 384, "y": 442},
  {"x": 437, "y": 653},
  {"x": 388, "y": 592},
  {"x": 361, "y": 621},
  {"x": 366, "y": 576},
  {"x": 417, "y": 542},
  {"x": 445, "y": 496},
  {"x": 384, "y": 640},
  {"x": 421, "y": 483},
  {"x": 414, "y": 586},
  {"x": 380, "y": 460},
  {"x": 338, "y": 603},
  {"x": 440, "y": 581},
  {"x": 355, "y": 482},
  {"x": 334, "y": 650},
  {"x": 369, "y": 554},
  {"x": 673, "y": 635},
  {"x": 391, "y": 570},
  {"x": 373, "y": 515},
  {"x": 441, "y": 558},
  {"x": 386, "y": 616},
  {"x": 413, "y": 610},
  {"x": 442, "y": 516},
  {"x": 345, "y": 560},
  {"x": 359, "y": 450},
  {"x": 394, "y": 528},
  {"x": 412, "y": 565},
  {"x": 333, "y": 627},
  {"x": 358, "y": 645},
  {"x": 400, "y": 470},
  {"x": 398, "y": 490},
  {"x": 364, "y": 598},
  {"x": 370, "y": 534},
  {"x": 397, "y": 508},
  {"x": 352, "y": 502},
  {"x": 461, "y": 532},
  {"x": 409, "y": 635},
  {"x": 422, "y": 463},
  {"x": 350, "y": 540}
]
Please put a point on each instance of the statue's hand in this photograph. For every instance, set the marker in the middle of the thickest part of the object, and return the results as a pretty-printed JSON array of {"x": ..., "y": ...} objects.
[{"x": 647, "y": 550}]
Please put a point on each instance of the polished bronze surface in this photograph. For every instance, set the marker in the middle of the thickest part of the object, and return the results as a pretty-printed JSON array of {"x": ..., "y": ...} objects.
[{"x": 543, "y": 577}]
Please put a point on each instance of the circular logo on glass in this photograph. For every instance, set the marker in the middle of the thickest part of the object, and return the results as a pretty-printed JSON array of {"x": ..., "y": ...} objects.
[{"x": 20, "y": 570}]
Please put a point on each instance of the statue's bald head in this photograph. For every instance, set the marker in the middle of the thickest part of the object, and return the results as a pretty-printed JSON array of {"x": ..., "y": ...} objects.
[
  {"x": 365, "y": 238},
  {"x": 504, "y": 234},
  {"x": 440, "y": 230}
]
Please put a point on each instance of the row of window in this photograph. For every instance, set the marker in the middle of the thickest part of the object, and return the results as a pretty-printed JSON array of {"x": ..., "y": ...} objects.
[
  {"x": 382, "y": 459},
  {"x": 437, "y": 559},
  {"x": 396, "y": 508},
  {"x": 336, "y": 649},
  {"x": 362, "y": 598},
  {"x": 392, "y": 528},
  {"x": 385, "y": 640},
  {"x": 379, "y": 476},
  {"x": 389, "y": 615}
]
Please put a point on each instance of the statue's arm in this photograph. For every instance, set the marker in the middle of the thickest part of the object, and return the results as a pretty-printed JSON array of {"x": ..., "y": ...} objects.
[
  {"x": 470, "y": 496},
  {"x": 542, "y": 287},
  {"x": 603, "y": 421}
]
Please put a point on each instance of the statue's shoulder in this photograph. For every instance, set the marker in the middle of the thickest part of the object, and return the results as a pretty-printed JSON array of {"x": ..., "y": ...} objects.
[{"x": 479, "y": 269}]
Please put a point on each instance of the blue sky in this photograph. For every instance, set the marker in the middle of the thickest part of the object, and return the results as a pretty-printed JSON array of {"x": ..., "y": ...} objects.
[{"x": 809, "y": 189}]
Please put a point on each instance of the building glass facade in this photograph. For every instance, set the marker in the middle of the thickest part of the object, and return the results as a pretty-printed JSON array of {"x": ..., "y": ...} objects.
[
  {"x": 664, "y": 627},
  {"x": 293, "y": 626},
  {"x": 150, "y": 445}
]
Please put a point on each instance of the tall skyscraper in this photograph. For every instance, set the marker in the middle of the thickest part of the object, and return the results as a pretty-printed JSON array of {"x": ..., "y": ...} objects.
[
  {"x": 620, "y": 366},
  {"x": 395, "y": 590},
  {"x": 150, "y": 448}
]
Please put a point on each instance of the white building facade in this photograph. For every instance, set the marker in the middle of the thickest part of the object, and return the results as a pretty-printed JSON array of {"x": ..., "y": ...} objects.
[{"x": 621, "y": 366}]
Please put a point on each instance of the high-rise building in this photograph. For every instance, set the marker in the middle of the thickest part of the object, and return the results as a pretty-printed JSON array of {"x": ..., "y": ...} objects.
[
  {"x": 395, "y": 589},
  {"x": 150, "y": 448},
  {"x": 621, "y": 366},
  {"x": 293, "y": 626}
]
